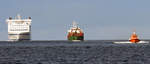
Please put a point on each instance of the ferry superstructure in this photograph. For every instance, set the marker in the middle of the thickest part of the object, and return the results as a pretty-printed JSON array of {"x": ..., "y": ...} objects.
[
  {"x": 19, "y": 29},
  {"x": 75, "y": 33}
]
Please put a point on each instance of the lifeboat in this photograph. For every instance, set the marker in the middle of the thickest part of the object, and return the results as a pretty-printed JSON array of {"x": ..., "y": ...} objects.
[
  {"x": 75, "y": 33},
  {"x": 134, "y": 38}
]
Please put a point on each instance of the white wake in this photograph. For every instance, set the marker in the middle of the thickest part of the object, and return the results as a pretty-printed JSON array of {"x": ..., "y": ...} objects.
[{"x": 131, "y": 42}]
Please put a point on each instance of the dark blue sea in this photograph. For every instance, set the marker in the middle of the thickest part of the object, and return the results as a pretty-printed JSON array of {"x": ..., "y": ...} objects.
[{"x": 68, "y": 52}]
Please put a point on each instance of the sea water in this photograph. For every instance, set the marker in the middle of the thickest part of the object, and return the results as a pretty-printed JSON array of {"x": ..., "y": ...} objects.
[{"x": 68, "y": 52}]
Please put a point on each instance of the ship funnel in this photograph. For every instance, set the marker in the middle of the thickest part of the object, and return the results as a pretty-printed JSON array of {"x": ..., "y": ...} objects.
[
  {"x": 10, "y": 18},
  {"x": 29, "y": 18}
]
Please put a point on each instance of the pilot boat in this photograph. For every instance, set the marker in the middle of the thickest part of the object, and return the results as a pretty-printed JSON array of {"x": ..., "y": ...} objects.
[{"x": 133, "y": 39}]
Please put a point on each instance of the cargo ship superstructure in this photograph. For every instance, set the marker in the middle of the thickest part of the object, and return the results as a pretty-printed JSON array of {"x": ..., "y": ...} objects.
[
  {"x": 19, "y": 29},
  {"x": 75, "y": 33}
]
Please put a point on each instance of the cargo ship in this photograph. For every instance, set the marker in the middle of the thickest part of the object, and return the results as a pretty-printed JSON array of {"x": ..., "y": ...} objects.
[
  {"x": 75, "y": 33},
  {"x": 19, "y": 29},
  {"x": 133, "y": 39}
]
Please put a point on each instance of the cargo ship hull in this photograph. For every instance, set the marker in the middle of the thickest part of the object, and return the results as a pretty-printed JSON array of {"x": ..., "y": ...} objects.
[{"x": 76, "y": 38}]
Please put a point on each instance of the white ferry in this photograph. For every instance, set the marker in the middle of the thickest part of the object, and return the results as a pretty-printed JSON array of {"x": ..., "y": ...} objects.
[{"x": 19, "y": 29}]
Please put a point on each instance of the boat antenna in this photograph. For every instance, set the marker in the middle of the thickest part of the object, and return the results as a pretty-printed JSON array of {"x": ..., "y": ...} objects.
[{"x": 134, "y": 31}]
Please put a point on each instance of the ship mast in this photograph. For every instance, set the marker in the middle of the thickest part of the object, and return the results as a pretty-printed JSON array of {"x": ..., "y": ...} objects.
[
  {"x": 18, "y": 16},
  {"x": 74, "y": 24}
]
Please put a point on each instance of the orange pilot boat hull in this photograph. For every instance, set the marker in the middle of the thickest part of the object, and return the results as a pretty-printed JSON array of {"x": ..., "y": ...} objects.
[{"x": 134, "y": 40}]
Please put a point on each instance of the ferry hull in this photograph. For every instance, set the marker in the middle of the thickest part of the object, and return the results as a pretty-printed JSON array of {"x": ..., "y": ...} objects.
[{"x": 19, "y": 37}]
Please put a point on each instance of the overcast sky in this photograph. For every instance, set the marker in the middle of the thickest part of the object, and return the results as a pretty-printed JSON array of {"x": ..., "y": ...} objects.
[{"x": 100, "y": 19}]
